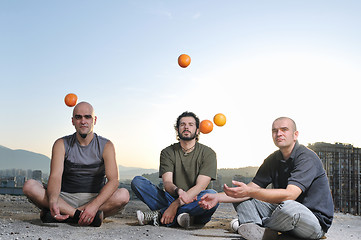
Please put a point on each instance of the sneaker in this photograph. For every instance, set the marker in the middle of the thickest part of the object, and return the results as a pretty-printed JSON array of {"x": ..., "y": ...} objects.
[
  {"x": 234, "y": 225},
  {"x": 98, "y": 219},
  {"x": 251, "y": 231},
  {"x": 184, "y": 220},
  {"x": 147, "y": 217},
  {"x": 45, "y": 216}
]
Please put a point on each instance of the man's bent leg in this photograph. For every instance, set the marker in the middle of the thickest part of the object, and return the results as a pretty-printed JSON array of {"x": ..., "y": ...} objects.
[
  {"x": 150, "y": 194},
  {"x": 253, "y": 210},
  {"x": 250, "y": 214},
  {"x": 116, "y": 202},
  {"x": 36, "y": 192},
  {"x": 201, "y": 216},
  {"x": 293, "y": 217}
]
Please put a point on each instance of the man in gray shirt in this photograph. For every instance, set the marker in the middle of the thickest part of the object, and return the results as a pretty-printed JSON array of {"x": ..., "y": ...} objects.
[
  {"x": 300, "y": 202},
  {"x": 83, "y": 181}
]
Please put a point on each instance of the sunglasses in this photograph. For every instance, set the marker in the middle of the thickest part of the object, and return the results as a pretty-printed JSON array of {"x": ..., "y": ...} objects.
[{"x": 78, "y": 117}]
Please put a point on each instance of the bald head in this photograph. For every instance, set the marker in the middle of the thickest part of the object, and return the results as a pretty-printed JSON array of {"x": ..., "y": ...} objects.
[
  {"x": 83, "y": 106},
  {"x": 293, "y": 123},
  {"x": 84, "y": 119}
]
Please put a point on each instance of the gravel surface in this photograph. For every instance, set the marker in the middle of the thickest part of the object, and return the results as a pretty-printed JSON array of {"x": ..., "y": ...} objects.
[{"x": 19, "y": 219}]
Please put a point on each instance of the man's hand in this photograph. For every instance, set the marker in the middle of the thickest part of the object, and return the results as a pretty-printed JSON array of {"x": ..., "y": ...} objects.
[
  {"x": 169, "y": 214},
  {"x": 87, "y": 215},
  {"x": 208, "y": 201},
  {"x": 241, "y": 191},
  {"x": 55, "y": 212},
  {"x": 185, "y": 198}
]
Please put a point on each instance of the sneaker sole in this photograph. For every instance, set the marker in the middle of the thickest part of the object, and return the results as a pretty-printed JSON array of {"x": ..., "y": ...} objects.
[
  {"x": 139, "y": 217},
  {"x": 184, "y": 220},
  {"x": 234, "y": 225}
]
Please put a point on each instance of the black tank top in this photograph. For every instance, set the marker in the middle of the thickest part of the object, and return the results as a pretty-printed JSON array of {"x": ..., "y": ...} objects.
[{"x": 84, "y": 170}]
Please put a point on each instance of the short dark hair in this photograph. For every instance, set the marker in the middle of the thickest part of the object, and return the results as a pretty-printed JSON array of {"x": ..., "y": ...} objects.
[
  {"x": 186, "y": 114},
  {"x": 292, "y": 121}
]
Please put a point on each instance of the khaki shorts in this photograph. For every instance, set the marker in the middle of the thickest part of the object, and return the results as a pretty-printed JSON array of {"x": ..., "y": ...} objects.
[{"x": 77, "y": 199}]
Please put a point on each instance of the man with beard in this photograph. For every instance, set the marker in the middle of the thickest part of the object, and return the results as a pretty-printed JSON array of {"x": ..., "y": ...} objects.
[
  {"x": 83, "y": 181},
  {"x": 186, "y": 168}
]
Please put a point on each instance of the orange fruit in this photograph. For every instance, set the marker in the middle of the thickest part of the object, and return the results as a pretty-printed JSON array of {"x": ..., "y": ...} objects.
[
  {"x": 184, "y": 60},
  {"x": 219, "y": 119},
  {"x": 206, "y": 126},
  {"x": 70, "y": 100}
]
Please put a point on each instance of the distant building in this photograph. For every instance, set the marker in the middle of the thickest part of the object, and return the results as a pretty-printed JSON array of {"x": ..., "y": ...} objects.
[
  {"x": 37, "y": 175},
  {"x": 29, "y": 173},
  {"x": 9, "y": 182},
  {"x": 9, "y": 186},
  {"x": 342, "y": 165},
  {"x": 20, "y": 180},
  {"x": 12, "y": 180}
]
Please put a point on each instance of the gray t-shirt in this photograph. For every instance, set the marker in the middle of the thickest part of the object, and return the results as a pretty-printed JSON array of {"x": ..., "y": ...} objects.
[{"x": 187, "y": 167}]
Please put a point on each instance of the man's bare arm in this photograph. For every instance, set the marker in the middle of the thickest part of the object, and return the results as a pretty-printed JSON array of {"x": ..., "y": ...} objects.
[
  {"x": 252, "y": 190},
  {"x": 55, "y": 177}
]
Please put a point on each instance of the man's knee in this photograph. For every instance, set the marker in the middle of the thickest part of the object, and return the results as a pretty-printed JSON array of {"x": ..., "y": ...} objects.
[
  {"x": 137, "y": 181},
  {"x": 288, "y": 207},
  {"x": 285, "y": 212},
  {"x": 121, "y": 197},
  {"x": 289, "y": 203},
  {"x": 29, "y": 186}
]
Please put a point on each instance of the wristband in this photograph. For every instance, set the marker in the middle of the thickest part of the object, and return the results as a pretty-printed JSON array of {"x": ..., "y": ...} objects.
[{"x": 176, "y": 191}]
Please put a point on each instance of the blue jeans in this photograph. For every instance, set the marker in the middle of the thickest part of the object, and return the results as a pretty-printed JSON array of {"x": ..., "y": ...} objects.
[
  {"x": 289, "y": 216},
  {"x": 158, "y": 199}
]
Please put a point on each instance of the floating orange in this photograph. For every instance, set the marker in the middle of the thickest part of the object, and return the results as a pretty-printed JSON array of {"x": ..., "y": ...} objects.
[
  {"x": 70, "y": 100},
  {"x": 184, "y": 60},
  {"x": 219, "y": 119},
  {"x": 206, "y": 126}
]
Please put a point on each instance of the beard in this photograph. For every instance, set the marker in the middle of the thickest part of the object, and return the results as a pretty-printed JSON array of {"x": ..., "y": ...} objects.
[
  {"x": 182, "y": 137},
  {"x": 83, "y": 135}
]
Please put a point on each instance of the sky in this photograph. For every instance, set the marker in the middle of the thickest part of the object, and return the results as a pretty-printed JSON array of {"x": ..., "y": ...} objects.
[{"x": 253, "y": 61}]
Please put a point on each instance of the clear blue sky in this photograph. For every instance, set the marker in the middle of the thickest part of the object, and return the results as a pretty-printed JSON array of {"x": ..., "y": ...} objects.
[{"x": 251, "y": 60}]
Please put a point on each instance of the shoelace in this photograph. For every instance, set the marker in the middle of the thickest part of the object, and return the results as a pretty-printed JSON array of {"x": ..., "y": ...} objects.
[
  {"x": 155, "y": 220},
  {"x": 153, "y": 215}
]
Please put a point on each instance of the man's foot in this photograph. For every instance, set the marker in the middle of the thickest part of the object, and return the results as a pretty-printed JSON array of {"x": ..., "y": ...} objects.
[
  {"x": 234, "y": 225},
  {"x": 147, "y": 217},
  {"x": 98, "y": 219},
  {"x": 45, "y": 216},
  {"x": 251, "y": 231},
  {"x": 184, "y": 220}
]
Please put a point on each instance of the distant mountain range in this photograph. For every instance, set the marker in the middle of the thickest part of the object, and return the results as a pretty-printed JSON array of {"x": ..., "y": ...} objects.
[
  {"x": 131, "y": 172},
  {"x": 22, "y": 159}
]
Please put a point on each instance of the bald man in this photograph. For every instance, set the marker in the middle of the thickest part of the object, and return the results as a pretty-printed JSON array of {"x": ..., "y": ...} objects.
[
  {"x": 83, "y": 181},
  {"x": 300, "y": 202}
]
